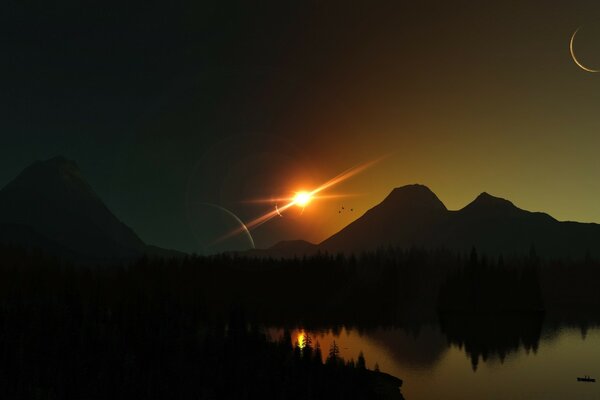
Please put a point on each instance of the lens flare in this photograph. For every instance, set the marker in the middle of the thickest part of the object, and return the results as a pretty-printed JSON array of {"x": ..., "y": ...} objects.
[{"x": 302, "y": 198}]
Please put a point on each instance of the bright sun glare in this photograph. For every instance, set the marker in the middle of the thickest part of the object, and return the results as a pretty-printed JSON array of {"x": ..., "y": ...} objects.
[{"x": 302, "y": 198}]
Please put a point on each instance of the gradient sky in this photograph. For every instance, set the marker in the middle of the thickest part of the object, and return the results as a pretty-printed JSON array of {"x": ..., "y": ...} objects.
[{"x": 166, "y": 103}]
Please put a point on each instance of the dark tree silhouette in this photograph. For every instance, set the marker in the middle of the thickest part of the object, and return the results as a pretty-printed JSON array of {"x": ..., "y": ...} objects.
[
  {"x": 191, "y": 327},
  {"x": 361, "y": 363},
  {"x": 334, "y": 354}
]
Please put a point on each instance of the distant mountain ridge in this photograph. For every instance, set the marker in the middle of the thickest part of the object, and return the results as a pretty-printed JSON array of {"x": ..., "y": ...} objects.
[
  {"x": 49, "y": 205},
  {"x": 413, "y": 215},
  {"x": 285, "y": 249}
]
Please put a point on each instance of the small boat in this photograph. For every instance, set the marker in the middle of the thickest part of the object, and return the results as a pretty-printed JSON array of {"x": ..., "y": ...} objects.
[{"x": 586, "y": 379}]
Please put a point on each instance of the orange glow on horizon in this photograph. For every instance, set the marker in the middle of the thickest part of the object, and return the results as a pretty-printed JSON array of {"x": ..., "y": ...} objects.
[{"x": 301, "y": 199}]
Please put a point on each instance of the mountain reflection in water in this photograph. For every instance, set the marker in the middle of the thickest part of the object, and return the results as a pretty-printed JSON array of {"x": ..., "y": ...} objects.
[{"x": 492, "y": 357}]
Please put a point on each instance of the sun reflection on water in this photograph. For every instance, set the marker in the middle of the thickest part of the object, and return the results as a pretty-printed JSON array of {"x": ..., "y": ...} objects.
[{"x": 301, "y": 339}]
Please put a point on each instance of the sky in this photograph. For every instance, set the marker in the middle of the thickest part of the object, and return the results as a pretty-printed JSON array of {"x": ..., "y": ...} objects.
[{"x": 176, "y": 111}]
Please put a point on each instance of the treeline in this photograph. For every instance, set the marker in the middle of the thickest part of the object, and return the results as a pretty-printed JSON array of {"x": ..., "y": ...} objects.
[
  {"x": 145, "y": 331},
  {"x": 323, "y": 290},
  {"x": 388, "y": 287},
  {"x": 483, "y": 286}
]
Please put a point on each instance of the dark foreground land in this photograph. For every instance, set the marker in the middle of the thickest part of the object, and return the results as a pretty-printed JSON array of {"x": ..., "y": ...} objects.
[
  {"x": 191, "y": 327},
  {"x": 145, "y": 331}
]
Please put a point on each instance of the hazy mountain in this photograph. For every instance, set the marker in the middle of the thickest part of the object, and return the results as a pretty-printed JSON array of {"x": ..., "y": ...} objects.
[
  {"x": 49, "y": 205},
  {"x": 284, "y": 249},
  {"x": 414, "y": 216}
]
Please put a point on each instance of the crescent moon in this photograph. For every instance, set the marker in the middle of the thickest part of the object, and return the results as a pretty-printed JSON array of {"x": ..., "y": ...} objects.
[{"x": 580, "y": 65}]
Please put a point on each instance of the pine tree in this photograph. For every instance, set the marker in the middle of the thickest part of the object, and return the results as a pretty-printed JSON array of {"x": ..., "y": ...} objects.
[
  {"x": 307, "y": 349},
  {"x": 361, "y": 363},
  {"x": 318, "y": 356},
  {"x": 334, "y": 354}
]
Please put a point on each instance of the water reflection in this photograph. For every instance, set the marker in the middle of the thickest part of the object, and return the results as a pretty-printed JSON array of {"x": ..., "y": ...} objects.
[
  {"x": 501, "y": 357},
  {"x": 494, "y": 335},
  {"x": 301, "y": 341}
]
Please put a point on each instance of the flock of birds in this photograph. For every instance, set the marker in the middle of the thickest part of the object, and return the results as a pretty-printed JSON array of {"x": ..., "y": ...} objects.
[{"x": 343, "y": 209}]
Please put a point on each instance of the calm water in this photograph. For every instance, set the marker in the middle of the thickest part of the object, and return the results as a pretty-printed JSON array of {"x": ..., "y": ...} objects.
[{"x": 434, "y": 368}]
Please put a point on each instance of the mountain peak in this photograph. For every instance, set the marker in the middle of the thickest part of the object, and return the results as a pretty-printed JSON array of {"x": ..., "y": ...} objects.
[
  {"x": 489, "y": 200},
  {"x": 412, "y": 188},
  {"x": 58, "y": 160},
  {"x": 413, "y": 216},
  {"x": 415, "y": 196},
  {"x": 404, "y": 216},
  {"x": 57, "y": 173},
  {"x": 60, "y": 163},
  {"x": 54, "y": 200},
  {"x": 486, "y": 204},
  {"x": 55, "y": 163}
]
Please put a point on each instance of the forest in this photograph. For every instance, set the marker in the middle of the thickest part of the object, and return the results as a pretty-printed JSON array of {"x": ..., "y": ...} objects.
[{"x": 192, "y": 327}]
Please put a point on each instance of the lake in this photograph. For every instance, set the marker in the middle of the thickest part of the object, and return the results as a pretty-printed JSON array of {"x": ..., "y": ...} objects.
[{"x": 434, "y": 364}]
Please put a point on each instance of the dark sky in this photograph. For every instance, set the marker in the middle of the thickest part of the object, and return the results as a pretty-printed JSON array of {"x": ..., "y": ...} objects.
[{"x": 167, "y": 106}]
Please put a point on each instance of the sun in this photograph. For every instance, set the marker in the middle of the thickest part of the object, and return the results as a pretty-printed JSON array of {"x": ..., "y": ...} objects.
[{"x": 302, "y": 198}]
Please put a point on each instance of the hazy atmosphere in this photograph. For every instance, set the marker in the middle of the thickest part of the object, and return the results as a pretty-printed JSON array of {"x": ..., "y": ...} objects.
[
  {"x": 306, "y": 200},
  {"x": 166, "y": 106}
]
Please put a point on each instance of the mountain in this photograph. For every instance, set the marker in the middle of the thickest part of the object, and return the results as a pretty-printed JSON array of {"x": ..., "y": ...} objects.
[
  {"x": 406, "y": 216},
  {"x": 284, "y": 249},
  {"x": 414, "y": 216},
  {"x": 49, "y": 205}
]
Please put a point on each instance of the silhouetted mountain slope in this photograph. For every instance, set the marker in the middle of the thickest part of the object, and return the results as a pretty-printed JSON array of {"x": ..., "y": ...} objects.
[
  {"x": 413, "y": 216},
  {"x": 284, "y": 249},
  {"x": 407, "y": 216},
  {"x": 50, "y": 206}
]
